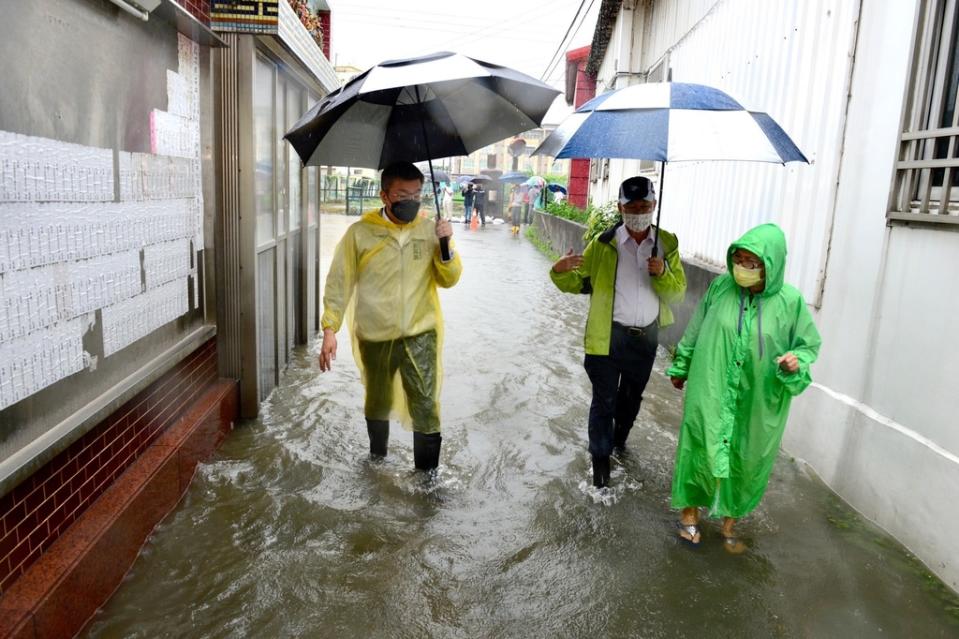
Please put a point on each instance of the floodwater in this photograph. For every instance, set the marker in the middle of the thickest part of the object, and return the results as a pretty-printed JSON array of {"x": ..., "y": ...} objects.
[{"x": 292, "y": 531}]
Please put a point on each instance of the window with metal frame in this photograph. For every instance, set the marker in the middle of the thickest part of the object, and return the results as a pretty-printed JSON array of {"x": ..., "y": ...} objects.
[{"x": 926, "y": 186}]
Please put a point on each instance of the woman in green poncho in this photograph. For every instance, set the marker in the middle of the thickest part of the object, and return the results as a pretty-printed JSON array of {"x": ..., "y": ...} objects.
[{"x": 746, "y": 353}]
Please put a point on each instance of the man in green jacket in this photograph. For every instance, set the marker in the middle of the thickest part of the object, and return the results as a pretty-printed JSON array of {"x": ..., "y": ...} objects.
[{"x": 630, "y": 290}]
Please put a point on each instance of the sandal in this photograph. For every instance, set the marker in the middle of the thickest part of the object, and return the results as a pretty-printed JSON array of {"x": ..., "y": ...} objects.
[
  {"x": 734, "y": 545},
  {"x": 693, "y": 531}
]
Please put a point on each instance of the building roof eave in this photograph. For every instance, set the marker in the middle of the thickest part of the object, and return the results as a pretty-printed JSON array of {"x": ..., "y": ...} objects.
[{"x": 605, "y": 22}]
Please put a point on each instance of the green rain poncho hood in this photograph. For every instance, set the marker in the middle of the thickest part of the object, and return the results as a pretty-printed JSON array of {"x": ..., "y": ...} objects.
[{"x": 737, "y": 397}]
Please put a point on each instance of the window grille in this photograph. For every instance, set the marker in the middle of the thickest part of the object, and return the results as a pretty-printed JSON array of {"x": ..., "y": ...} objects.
[{"x": 926, "y": 187}]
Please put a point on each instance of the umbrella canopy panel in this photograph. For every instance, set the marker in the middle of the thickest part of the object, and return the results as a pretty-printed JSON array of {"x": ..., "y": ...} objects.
[
  {"x": 441, "y": 105},
  {"x": 669, "y": 122},
  {"x": 514, "y": 178},
  {"x": 536, "y": 181}
]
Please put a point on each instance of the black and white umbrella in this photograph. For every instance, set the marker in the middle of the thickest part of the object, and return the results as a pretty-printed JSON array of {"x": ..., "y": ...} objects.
[{"x": 438, "y": 105}]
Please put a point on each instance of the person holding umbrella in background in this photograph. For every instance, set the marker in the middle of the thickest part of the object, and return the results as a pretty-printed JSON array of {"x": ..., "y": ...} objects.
[
  {"x": 447, "y": 200},
  {"x": 479, "y": 202},
  {"x": 630, "y": 291},
  {"x": 389, "y": 264},
  {"x": 515, "y": 208},
  {"x": 468, "y": 195},
  {"x": 532, "y": 196}
]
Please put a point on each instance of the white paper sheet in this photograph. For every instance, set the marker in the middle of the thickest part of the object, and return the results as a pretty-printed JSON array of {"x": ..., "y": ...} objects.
[
  {"x": 130, "y": 320},
  {"x": 30, "y": 364}
]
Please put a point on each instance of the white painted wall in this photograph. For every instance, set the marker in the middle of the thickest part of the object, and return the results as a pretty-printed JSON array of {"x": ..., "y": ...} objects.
[
  {"x": 879, "y": 423},
  {"x": 880, "y": 427}
]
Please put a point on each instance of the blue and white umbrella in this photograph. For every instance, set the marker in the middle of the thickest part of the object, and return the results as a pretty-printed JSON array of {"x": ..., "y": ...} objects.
[
  {"x": 669, "y": 122},
  {"x": 514, "y": 178}
]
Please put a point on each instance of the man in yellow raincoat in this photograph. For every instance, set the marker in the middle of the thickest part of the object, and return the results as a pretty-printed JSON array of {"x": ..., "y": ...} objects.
[
  {"x": 746, "y": 353},
  {"x": 385, "y": 272}
]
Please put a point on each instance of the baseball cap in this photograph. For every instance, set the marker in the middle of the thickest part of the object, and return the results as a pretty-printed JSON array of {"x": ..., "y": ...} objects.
[{"x": 636, "y": 188}]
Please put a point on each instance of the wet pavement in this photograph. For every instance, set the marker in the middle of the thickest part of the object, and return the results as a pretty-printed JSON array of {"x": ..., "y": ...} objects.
[{"x": 291, "y": 531}]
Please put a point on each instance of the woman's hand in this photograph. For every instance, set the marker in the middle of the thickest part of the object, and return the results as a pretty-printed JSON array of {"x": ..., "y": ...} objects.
[
  {"x": 789, "y": 363},
  {"x": 678, "y": 382}
]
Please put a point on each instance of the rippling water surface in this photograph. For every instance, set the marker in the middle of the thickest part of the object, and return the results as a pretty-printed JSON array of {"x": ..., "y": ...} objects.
[{"x": 291, "y": 531}]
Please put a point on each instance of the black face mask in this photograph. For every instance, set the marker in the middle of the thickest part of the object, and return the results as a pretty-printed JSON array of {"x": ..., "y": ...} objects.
[{"x": 405, "y": 210}]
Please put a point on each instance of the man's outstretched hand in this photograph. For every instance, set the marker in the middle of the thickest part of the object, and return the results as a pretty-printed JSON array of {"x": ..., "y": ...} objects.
[{"x": 568, "y": 262}]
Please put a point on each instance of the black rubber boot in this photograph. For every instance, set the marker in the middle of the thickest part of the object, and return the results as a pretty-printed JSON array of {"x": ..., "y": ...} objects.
[
  {"x": 426, "y": 450},
  {"x": 620, "y": 433},
  {"x": 379, "y": 431},
  {"x": 600, "y": 471}
]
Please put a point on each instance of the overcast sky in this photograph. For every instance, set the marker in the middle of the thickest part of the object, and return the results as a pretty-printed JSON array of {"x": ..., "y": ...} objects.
[{"x": 523, "y": 34}]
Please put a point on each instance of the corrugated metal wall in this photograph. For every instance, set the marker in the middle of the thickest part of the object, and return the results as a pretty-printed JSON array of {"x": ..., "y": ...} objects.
[
  {"x": 671, "y": 20},
  {"x": 791, "y": 59}
]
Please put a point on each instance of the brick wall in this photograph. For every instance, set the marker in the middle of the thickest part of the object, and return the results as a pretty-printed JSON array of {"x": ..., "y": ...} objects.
[
  {"x": 199, "y": 8},
  {"x": 35, "y": 513}
]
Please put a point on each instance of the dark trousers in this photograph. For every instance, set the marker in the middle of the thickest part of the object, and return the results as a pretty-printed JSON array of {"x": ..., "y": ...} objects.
[{"x": 619, "y": 380}]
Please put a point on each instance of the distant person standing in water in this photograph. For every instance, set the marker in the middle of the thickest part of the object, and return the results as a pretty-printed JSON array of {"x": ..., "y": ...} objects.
[
  {"x": 479, "y": 203},
  {"x": 468, "y": 195}
]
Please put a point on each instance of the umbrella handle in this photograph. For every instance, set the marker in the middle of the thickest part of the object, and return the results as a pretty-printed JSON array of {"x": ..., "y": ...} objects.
[
  {"x": 659, "y": 208},
  {"x": 445, "y": 254}
]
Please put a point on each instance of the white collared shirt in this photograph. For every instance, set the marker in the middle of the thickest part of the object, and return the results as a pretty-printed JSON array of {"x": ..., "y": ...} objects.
[{"x": 636, "y": 303}]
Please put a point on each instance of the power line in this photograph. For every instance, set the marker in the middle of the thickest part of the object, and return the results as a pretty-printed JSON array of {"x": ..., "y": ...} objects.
[
  {"x": 578, "y": 27},
  {"x": 563, "y": 40},
  {"x": 450, "y": 28},
  {"x": 484, "y": 30}
]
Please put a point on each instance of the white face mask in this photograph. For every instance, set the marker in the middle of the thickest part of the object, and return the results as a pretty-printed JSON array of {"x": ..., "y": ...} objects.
[{"x": 637, "y": 222}]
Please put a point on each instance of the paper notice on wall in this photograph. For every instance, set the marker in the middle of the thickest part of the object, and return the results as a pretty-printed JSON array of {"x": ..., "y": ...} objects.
[
  {"x": 156, "y": 177},
  {"x": 40, "y": 234},
  {"x": 30, "y": 300},
  {"x": 34, "y": 169},
  {"x": 130, "y": 320},
  {"x": 37, "y": 298},
  {"x": 67, "y": 248},
  {"x": 165, "y": 262},
  {"x": 95, "y": 283},
  {"x": 180, "y": 95},
  {"x": 30, "y": 364},
  {"x": 172, "y": 134}
]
